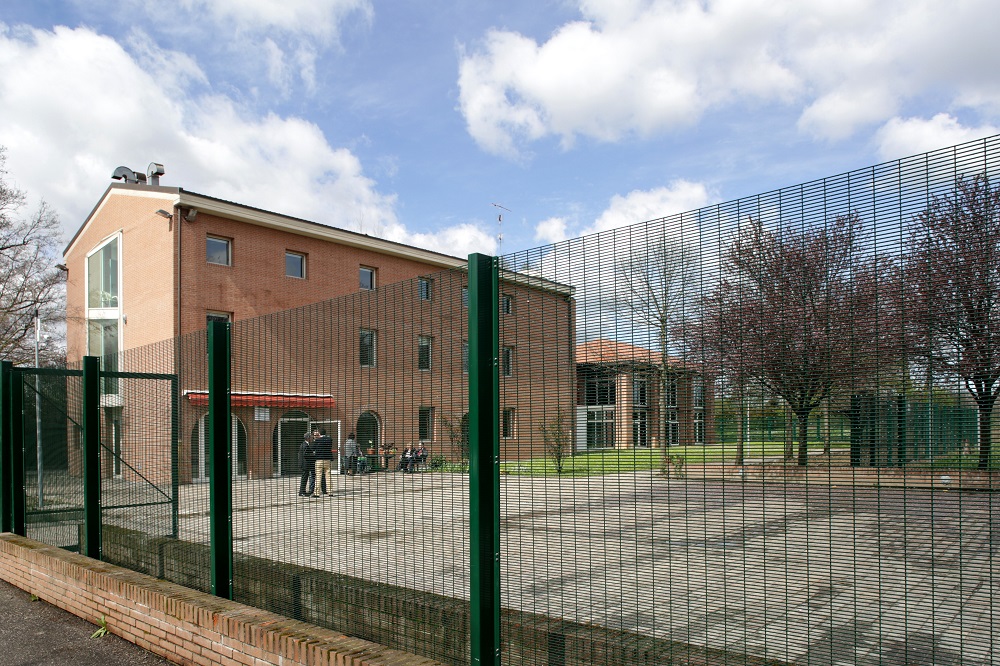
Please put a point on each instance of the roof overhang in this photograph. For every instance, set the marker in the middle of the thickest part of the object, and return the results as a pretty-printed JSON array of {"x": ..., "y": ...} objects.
[
  {"x": 174, "y": 197},
  {"x": 284, "y": 400}
]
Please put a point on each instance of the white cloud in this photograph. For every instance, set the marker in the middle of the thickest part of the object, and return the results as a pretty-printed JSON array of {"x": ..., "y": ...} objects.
[
  {"x": 908, "y": 136},
  {"x": 637, "y": 206},
  {"x": 644, "y": 67},
  {"x": 316, "y": 18},
  {"x": 459, "y": 241},
  {"x": 680, "y": 196},
  {"x": 74, "y": 105},
  {"x": 551, "y": 230}
]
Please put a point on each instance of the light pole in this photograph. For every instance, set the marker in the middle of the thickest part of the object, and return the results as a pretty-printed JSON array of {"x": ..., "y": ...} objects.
[{"x": 38, "y": 414}]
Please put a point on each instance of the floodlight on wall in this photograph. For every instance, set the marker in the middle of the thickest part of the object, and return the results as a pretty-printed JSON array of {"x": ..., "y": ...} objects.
[
  {"x": 191, "y": 214},
  {"x": 163, "y": 213}
]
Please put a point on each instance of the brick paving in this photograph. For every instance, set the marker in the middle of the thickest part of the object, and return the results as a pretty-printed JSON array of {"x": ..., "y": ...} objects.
[{"x": 817, "y": 573}]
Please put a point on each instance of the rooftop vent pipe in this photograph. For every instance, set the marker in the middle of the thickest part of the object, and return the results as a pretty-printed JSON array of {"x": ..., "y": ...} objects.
[{"x": 152, "y": 175}]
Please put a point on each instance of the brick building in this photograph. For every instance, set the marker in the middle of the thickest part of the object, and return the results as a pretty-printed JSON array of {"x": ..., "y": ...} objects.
[
  {"x": 330, "y": 328},
  {"x": 621, "y": 400}
]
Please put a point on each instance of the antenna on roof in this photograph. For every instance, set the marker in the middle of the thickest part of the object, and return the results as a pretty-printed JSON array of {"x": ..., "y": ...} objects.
[{"x": 500, "y": 226}]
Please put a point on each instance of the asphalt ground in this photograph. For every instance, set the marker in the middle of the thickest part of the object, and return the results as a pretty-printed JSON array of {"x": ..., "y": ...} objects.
[{"x": 34, "y": 633}]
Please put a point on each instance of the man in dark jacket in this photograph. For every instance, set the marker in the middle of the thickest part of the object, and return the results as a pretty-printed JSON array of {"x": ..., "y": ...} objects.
[
  {"x": 307, "y": 463},
  {"x": 324, "y": 460}
]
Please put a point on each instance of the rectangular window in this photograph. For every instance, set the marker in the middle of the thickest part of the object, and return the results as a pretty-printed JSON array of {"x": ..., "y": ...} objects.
[
  {"x": 673, "y": 428},
  {"x": 508, "y": 426},
  {"x": 600, "y": 428},
  {"x": 465, "y": 357},
  {"x": 426, "y": 424},
  {"x": 102, "y": 277},
  {"x": 102, "y": 341},
  {"x": 465, "y": 297},
  {"x": 507, "y": 361},
  {"x": 295, "y": 265},
  {"x": 506, "y": 304},
  {"x": 424, "y": 289},
  {"x": 424, "y": 352},
  {"x": 599, "y": 390},
  {"x": 640, "y": 431},
  {"x": 369, "y": 340},
  {"x": 367, "y": 278},
  {"x": 698, "y": 400},
  {"x": 670, "y": 391},
  {"x": 219, "y": 251},
  {"x": 698, "y": 393},
  {"x": 639, "y": 392}
]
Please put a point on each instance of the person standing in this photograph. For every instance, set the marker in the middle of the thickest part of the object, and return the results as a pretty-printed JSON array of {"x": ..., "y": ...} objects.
[
  {"x": 350, "y": 457},
  {"x": 324, "y": 460},
  {"x": 307, "y": 463}
]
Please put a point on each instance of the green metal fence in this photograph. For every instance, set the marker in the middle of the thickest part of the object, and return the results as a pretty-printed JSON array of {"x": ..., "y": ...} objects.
[{"x": 759, "y": 432}]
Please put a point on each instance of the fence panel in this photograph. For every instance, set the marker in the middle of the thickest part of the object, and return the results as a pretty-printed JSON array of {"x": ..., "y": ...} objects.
[
  {"x": 760, "y": 442},
  {"x": 53, "y": 484}
]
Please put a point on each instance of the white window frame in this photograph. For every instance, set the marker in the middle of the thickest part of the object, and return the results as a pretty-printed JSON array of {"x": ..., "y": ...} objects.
[
  {"x": 302, "y": 259},
  {"x": 374, "y": 276},
  {"x": 229, "y": 249}
]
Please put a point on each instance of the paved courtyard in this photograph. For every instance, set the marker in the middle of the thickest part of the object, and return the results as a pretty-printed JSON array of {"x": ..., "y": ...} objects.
[{"x": 817, "y": 574}]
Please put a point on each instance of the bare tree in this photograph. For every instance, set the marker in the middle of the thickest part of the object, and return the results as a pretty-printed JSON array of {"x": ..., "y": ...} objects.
[
  {"x": 30, "y": 283},
  {"x": 557, "y": 434},
  {"x": 655, "y": 290},
  {"x": 798, "y": 312},
  {"x": 954, "y": 268}
]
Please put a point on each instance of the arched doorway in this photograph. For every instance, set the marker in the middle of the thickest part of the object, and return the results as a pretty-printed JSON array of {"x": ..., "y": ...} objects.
[
  {"x": 368, "y": 431},
  {"x": 199, "y": 449},
  {"x": 286, "y": 440}
]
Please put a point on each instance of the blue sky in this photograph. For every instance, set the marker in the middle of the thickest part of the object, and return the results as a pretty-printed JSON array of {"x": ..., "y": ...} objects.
[{"x": 408, "y": 120}]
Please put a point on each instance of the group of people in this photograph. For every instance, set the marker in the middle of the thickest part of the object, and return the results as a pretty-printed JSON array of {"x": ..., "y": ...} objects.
[
  {"x": 413, "y": 456},
  {"x": 316, "y": 462}
]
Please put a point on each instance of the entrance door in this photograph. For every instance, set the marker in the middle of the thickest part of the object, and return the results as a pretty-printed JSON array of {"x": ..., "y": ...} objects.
[
  {"x": 368, "y": 431},
  {"x": 199, "y": 449},
  {"x": 286, "y": 442}
]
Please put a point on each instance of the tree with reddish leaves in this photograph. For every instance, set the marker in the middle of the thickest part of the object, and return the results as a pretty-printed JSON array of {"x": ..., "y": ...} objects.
[
  {"x": 801, "y": 313},
  {"x": 954, "y": 269}
]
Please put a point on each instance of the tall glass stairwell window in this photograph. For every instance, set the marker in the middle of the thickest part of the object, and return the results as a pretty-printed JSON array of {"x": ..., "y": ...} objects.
[{"x": 104, "y": 309}]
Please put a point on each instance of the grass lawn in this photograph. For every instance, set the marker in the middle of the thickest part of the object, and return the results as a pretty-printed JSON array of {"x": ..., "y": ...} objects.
[{"x": 593, "y": 463}]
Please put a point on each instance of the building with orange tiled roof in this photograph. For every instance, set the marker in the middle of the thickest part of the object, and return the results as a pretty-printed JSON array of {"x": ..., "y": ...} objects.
[{"x": 626, "y": 398}]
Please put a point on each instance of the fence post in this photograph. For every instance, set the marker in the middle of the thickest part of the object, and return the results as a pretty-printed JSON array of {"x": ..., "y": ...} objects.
[
  {"x": 91, "y": 423},
  {"x": 220, "y": 448},
  {"x": 174, "y": 469},
  {"x": 17, "y": 453},
  {"x": 6, "y": 422},
  {"x": 484, "y": 459}
]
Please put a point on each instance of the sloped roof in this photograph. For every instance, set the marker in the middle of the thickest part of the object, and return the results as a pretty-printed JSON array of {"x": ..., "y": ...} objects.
[{"x": 613, "y": 351}]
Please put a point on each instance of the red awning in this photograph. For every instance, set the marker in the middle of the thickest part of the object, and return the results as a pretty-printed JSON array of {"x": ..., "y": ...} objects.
[{"x": 286, "y": 400}]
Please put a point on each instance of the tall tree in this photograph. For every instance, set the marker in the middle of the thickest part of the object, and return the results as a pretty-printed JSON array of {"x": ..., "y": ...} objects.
[
  {"x": 657, "y": 288},
  {"x": 954, "y": 267},
  {"x": 30, "y": 283},
  {"x": 798, "y": 311}
]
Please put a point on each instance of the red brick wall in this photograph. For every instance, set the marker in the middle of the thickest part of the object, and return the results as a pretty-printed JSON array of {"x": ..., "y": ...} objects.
[{"x": 180, "y": 624}]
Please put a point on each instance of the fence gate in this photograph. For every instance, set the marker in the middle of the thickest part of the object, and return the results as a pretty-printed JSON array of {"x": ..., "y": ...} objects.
[{"x": 138, "y": 451}]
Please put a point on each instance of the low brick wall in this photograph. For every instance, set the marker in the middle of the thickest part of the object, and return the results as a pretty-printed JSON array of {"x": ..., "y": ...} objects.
[
  {"x": 183, "y": 625},
  {"x": 422, "y": 623},
  {"x": 189, "y": 626}
]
